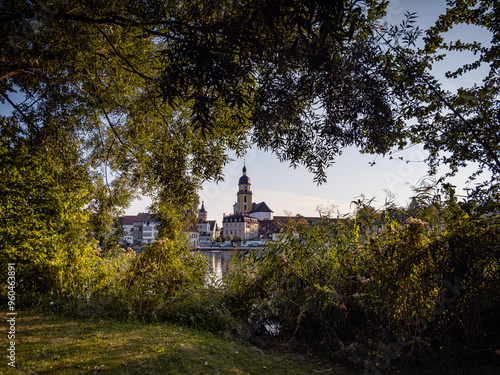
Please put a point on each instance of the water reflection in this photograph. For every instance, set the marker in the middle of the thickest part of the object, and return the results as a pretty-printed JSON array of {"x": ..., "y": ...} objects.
[{"x": 219, "y": 263}]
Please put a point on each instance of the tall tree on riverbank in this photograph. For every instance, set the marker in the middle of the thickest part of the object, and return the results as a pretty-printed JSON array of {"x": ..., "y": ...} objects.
[{"x": 153, "y": 95}]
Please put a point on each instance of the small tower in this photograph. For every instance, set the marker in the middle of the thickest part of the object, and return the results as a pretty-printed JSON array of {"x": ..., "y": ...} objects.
[
  {"x": 244, "y": 196},
  {"x": 203, "y": 214}
]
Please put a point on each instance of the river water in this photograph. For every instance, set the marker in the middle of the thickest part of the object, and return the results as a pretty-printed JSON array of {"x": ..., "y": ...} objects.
[{"x": 219, "y": 262}]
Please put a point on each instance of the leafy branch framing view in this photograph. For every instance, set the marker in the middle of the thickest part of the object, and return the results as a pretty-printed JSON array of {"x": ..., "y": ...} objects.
[{"x": 111, "y": 100}]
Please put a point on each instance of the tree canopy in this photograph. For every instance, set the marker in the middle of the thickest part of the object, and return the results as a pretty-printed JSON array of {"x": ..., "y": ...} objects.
[{"x": 153, "y": 95}]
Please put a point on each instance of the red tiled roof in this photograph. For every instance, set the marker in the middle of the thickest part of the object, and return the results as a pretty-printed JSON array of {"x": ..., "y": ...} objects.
[
  {"x": 128, "y": 220},
  {"x": 143, "y": 216}
]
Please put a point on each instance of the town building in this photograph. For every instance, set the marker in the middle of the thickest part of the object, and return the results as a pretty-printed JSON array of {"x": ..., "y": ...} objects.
[
  {"x": 204, "y": 231},
  {"x": 127, "y": 224},
  {"x": 149, "y": 230},
  {"x": 248, "y": 221},
  {"x": 193, "y": 237},
  {"x": 243, "y": 223},
  {"x": 138, "y": 230},
  {"x": 138, "y": 224},
  {"x": 243, "y": 203},
  {"x": 269, "y": 229},
  {"x": 240, "y": 227},
  {"x": 203, "y": 214}
]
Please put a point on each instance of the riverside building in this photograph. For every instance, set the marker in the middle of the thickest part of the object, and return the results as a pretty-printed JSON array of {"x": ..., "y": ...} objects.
[{"x": 243, "y": 223}]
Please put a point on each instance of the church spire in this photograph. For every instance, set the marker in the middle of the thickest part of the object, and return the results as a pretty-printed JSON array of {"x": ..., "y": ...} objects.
[{"x": 202, "y": 214}]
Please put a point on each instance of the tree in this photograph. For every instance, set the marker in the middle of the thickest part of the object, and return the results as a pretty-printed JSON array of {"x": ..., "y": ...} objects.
[
  {"x": 151, "y": 96},
  {"x": 85, "y": 82},
  {"x": 219, "y": 70},
  {"x": 459, "y": 127},
  {"x": 305, "y": 74},
  {"x": 41, "y": 210}
]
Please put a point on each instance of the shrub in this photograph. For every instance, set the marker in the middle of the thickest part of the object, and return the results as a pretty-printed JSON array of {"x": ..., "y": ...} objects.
[
  {"x": 137, "y": 287},
  {"x": 374, "y": 277},
  {"x": 296, "y": 287}
]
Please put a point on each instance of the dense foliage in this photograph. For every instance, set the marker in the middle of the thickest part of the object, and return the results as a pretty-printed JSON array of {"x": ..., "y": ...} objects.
[
  {"x": 355, "y": 286},
  {"x": 383, "y": 285},
  {"x": 41, "y": 211}
]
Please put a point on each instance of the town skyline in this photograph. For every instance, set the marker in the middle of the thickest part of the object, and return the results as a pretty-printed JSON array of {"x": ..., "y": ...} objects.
[{"x": 289, "y": 191}]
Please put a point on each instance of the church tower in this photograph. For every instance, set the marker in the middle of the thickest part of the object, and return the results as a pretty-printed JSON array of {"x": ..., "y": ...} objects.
[
  {"x": 202, "y": 214},
  {"x": 244, "y": 196}
]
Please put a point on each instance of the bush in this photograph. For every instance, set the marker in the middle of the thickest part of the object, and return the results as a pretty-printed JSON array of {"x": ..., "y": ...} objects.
[
  {"x": 163, "y": 270},
  {"x": 443, "y": 281},
  {"x": 125, "y": 285},
  {"x": 374, "y": 278},
  {"x": 297, "y": 287}
]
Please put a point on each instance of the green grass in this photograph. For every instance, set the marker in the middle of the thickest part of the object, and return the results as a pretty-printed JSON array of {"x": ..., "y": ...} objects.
[{"x": 57, "y": 345}]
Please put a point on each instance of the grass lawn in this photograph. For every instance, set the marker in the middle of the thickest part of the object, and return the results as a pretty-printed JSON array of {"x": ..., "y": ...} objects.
[{"x": 55, "y": 345}]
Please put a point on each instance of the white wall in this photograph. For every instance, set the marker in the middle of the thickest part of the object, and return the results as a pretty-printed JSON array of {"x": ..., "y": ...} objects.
[{"x": 262, "y": 215}]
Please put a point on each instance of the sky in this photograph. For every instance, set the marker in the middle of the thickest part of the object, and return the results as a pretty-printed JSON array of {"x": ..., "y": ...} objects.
[{"x": 289, "y": 191}]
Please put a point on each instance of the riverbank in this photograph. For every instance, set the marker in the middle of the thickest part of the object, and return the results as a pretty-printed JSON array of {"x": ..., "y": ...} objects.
[{"x": 58, "y": 345}]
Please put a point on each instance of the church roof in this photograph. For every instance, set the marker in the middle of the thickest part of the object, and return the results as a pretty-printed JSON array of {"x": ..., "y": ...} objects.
[
  {"x": 202, "y": 209},
  {"x": 261, "y": 207},
  {"x": 244, "y": 179}
]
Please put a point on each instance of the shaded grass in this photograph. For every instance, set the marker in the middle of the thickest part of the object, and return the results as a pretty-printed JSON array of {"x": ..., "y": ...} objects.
[
  {"x": 60, "y": 345},
  {"x": 57, "y": 345}
]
